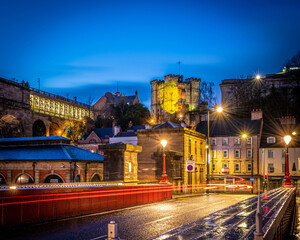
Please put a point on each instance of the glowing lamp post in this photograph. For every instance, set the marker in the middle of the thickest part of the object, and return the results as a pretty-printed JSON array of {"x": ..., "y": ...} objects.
[
  {"x": 287, "y": 177},
  {"x": 164, "y": 175},
  {"x": 218, "y": 110}
]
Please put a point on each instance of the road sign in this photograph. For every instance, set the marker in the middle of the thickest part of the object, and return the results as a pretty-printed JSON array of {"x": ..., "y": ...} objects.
[
  {"x": 190, "y": 166},
  {"x": 252, "y": 179}
]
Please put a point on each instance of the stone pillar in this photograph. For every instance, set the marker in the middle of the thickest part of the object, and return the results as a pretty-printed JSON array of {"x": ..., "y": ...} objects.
[
  {"x": 37, "y": 176},
  {"x": 9, "y": 177},
  {"x": 120, "y": 162}
]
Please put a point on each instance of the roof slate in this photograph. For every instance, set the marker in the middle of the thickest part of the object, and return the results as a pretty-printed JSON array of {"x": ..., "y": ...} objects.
[
  {"x": 47, "y": 152},
  {"x": 227, "y": 127}
]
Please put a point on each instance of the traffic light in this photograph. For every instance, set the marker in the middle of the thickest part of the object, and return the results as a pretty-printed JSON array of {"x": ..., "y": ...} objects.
[{"x": 266, "y": 175}]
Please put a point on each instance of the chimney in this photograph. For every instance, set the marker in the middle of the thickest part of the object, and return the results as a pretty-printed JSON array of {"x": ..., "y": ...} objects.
[
  {"x": 288, "y": 120},
  {"x": 256, "y": 114}
]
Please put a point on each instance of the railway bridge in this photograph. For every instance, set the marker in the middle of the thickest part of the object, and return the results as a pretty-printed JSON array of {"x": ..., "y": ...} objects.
[{"x": 27, "y": 112}]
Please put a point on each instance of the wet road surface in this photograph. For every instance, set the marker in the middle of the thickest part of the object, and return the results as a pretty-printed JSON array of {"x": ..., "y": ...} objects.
[{"x": 141, "y": 222}]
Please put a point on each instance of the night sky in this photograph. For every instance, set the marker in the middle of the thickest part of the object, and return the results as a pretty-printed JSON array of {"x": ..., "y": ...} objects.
[{"x": 84, "y": 47}]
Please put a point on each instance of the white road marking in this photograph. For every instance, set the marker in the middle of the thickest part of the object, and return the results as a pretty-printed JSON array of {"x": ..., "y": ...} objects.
[
  {"x": 104, "y": 236},
  {"x": 159, "y": 220}
]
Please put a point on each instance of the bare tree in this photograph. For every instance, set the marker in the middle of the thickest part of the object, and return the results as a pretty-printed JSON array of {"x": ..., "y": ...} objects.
[{"x": 294, "y": 61}]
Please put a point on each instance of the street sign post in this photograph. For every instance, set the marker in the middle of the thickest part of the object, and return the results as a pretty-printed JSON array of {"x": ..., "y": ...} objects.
[{"x": 190, "y": 166}]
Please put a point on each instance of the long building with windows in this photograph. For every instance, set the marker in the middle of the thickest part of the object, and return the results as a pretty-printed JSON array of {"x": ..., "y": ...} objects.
[{"x": 230, "y": 152}]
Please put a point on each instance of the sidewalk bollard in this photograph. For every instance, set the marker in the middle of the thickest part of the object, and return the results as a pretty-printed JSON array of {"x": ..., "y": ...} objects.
[
  {"x": 258, "y": 234},
  {"x": 112, "y": 230}
]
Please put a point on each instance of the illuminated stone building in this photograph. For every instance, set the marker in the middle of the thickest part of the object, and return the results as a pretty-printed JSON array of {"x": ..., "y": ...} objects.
[
  {"x": 174, "y": 98},
  {"x": 183, "y": 144},
  {"x": 230, "y": 153}
]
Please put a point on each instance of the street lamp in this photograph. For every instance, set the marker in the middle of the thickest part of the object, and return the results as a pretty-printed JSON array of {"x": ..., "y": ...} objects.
[
  {"x": 257, "y": 77},
  {"x": 164, "y": 175},
  {"x": 219, "y": 110},
  {"x": 287, "y": 177},
  {"x": 245, "y": 136}
]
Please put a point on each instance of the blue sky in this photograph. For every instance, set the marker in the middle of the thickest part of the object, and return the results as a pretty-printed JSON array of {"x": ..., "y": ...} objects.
[{"x": 84, "y": 47}]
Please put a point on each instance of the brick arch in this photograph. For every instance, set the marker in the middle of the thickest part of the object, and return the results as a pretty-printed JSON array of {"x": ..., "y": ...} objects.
[
  {"x": 54, "y": 174},
  {"x": 94, "y": 175},
  {"x": 54, "y": 129},
  {"x": 26, "y": 174}
]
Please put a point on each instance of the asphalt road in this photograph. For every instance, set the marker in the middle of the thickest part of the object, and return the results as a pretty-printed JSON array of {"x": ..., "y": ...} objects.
[{"x": 136, "y": 223}]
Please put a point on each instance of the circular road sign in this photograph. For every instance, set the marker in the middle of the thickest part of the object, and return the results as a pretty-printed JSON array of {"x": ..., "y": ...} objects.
[{"x": 190, "y": 167}]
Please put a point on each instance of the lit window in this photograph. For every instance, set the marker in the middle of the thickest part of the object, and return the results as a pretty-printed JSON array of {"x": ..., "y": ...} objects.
[
  {"x": 249, "y": 153},
  {"x": 225, "y": 153},
  {"x": 214, "y": 153},
  {"x": 237, "y": 153},
  {"x": 225, "y": 141},
  {"x": 270, "y": 153},
  {"x": 237, "y": 167},
  {"x": 249, "y": 140},
  {"x": 214, "y": 142},
  {"x": 270, "y": 139},
  {"x": 237, "y": 141},
  {"x": 129, "y": 167}
]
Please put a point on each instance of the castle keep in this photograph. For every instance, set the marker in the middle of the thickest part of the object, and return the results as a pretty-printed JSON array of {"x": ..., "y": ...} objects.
[{"x": 174, "y": 98}]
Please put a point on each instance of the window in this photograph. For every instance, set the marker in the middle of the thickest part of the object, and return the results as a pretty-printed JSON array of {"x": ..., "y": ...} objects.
[
  {"x": 190, "y": 146},
  {"x": 195, "y": 148},
  {"x": 237, "y": 141},
  {"x": 249, "y": 140},
  {"x": 200, "y": 149},
  {"x": 270, "y": 139},
  {"x": 270, "y": 153},
  {"x": 225, "y": 153},
  {"x": 236, "y": 167},
  {"x": 283, "y": 167},
  {"x": 225, "y": 141},
  {"x": 249, "y": 167},
  {"x": 92, "y": 141},
  {"x": 214, "y": 142},
  {"x": 237, "y": 153},
  {"x": 129, "y": 167},
  {"x": 249, "y": 153},
  {"x": 283, "y": 154},
  {"x": 213, "y": 167},
  {"x": 214, "y": 153},
  {"x": 225, "y": 165},
  {"x": 270, "y": 167}
]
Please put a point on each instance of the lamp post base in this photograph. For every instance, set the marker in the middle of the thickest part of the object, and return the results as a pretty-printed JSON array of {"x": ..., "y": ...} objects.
[
  {"x": 287, "y": 182},
  {"x": 164, "y": 179}
]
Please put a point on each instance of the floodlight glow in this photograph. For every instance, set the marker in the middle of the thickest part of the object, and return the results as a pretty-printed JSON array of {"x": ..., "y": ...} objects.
[
  {"x": 287, "y": 139},
  {"x": 164, "y": 143}
]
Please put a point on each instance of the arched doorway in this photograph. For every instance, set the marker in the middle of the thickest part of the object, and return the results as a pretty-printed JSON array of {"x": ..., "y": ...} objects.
[
  {"x": 54, "y": 130},
  {"x": 24, "y": 179},
  {"x": 96, "y": 178},
  {"x": 77, "y": 178},
  {"x": 38, "y": 129},
  {"x": 2, "y": 179},
  {"x": 53, "y": 179}
]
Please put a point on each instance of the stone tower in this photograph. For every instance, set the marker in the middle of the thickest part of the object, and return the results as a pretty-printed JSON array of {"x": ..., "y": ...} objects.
[{"x": 173, "y": 98}]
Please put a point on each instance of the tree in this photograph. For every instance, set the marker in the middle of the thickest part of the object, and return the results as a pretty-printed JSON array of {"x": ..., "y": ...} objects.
[
  {"x": 207, "y": 93},
  {"x": 124, "y": 113},
  {"x": 75, "y": 130},
  {"x": 294, "y": 61}
]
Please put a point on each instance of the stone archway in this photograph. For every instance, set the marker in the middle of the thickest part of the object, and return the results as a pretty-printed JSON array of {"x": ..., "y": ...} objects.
[
  {"x": 96, "y": 178},
  {"x": 53, "y": 178},
  {"x": 54, "y": 129},
  {"x": 24, "y": 179},
  {"x": 38, "y": 129}
]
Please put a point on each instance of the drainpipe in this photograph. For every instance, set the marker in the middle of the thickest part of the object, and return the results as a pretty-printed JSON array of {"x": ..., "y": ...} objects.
[{"x": 33, "y": 171}]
